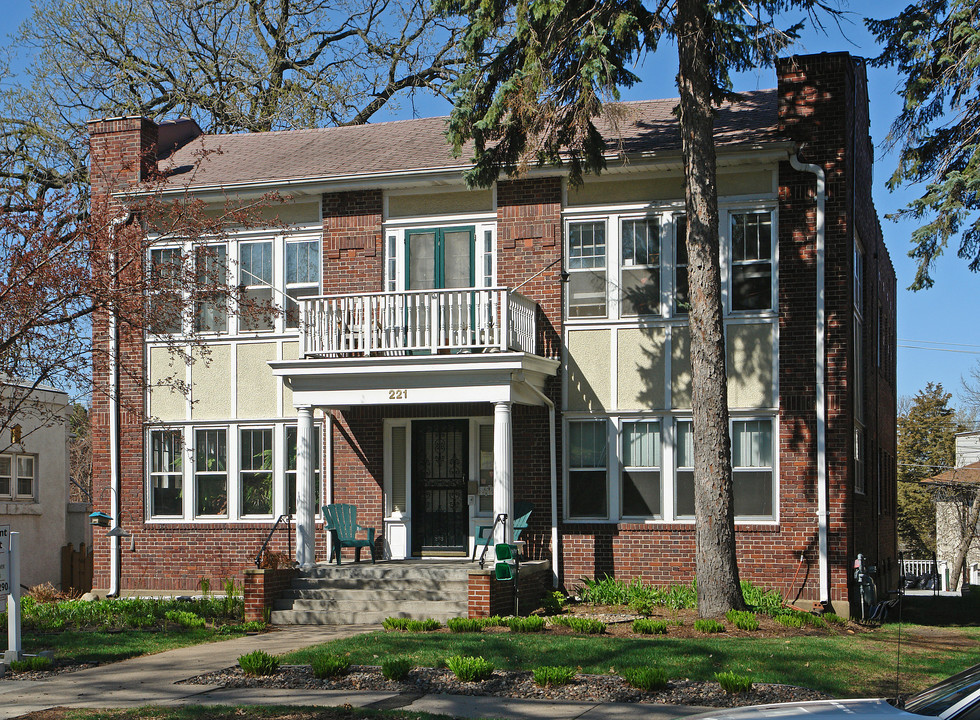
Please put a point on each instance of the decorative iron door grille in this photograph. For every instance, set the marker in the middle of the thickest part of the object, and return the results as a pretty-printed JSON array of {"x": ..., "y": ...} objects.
[{"x": 440, "y": 469}]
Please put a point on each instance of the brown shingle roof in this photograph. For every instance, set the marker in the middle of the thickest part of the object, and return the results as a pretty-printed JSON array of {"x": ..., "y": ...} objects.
[
  {"x": 965, "y": 474},
  {"x": 412, "y": 145}
]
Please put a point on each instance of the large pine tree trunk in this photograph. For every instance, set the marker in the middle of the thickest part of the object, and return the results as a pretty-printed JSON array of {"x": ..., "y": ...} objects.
[{"x": 716, "y": 568}]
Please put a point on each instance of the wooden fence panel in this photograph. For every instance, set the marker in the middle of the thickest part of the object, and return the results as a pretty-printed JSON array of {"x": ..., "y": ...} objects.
[{"x": 76, "y": 569}]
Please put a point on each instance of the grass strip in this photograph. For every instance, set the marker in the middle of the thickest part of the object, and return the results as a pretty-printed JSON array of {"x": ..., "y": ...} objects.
[
  {"x": 106, "y": 647},
  {"x": 864, "y": 665}
]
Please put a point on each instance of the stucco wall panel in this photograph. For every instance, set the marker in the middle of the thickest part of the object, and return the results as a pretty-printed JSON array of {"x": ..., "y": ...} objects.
[
  {"x": 165, "y": 402},
  {"x": 749, "y": 361},
  {"x": 680, "y": 367},
  {"x": 211, "y": 390},
  {"x": 588, "y": 370},
  {"x": 642, "y": 369},
  {"x": 256, "y": 385}
]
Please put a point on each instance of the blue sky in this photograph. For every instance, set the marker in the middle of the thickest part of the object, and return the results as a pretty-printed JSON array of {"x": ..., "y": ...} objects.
[{"x": 938, "y": 329}]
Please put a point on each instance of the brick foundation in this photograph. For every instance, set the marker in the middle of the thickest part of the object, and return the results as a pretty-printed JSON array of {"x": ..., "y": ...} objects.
[
  {"x": 262, "y": 587},
  {"x": 488, "y": 596}
]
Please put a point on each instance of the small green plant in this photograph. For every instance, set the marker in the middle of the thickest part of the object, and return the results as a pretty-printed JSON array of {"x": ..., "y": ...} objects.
[
  {"x": 550, "y": 675},
  {"x": 267, "y": 615},
  {"x": 646, "y": 626},
  {"x": 708, "y": 626},
  {"x": 258, "y": 662},
  {"x": 553, "y": 603},
  {"x": 396, "y": 668},
  {"x": 231, "y": 593},
  {"x": 642, "y": 606},
  {"x": 531, "y": 624},
  {"x": 184, "y": 618},
  {"x": 646, "y": 678},
  {"x": 31, "y": 664},
  {"x": 742, "y": 619},
  {"x": 205, "y": 585},
  {"x": 462, "y": 625},
  {"x": 732, "y": 682},
  {"x": 768, "y": 602},
  {"x": 797, "y": 619},
  {"x": 470, "y": 669},
  {"x": 427, "y": 625},
  {"x": 497, "y": 621},
  {"x": 328, "y": 666},
  {"x": 395, "y": 623},
  {"x": 586, "y": 626},
  {"x": 834, "y": 619}
]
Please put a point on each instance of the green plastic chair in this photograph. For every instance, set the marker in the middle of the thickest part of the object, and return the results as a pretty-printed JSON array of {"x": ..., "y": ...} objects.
[
  {"x": 342, "y": 526},
  {"x": 522, "y": 515}
]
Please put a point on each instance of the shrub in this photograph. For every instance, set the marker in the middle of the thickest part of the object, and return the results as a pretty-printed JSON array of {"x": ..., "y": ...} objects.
[
  {"x": 533, "y": 623},
  {"x": 733, "y": 682},
  {"x": 184, "y": 618},
  {"x": 31, "y": 664},
  {"x": 395, "y": 623},
  {"x": 553, "y": 603},
  {"x": 646, "y": 626},
  {"x": 550, "y": 675},
  {"x": 258, "y": 662},
  {"x": 646, "y": 678},
  {"x": 586, "y": 626},
  {"x": 470, "y": 669},
  {"x": 742, "y": 619},
  {"x": 461, "y": 625},
  {"x": 396, "y": 668},
  {"x": 328, "y": 666},
  {"x": 708, "y": 626}
]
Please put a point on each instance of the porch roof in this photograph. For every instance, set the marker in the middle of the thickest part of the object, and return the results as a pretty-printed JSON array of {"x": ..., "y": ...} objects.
[{"x": 412, "y": 379}]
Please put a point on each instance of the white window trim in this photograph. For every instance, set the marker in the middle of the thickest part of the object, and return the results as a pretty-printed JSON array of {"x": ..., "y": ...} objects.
[
  {"x": 395, "y": 232},
  {"x": 727, "y": 254},
  {"x": 15, "y": 495}
]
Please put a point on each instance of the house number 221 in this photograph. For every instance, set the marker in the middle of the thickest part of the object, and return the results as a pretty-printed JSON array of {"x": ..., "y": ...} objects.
[{"x": 398, "y": 394}]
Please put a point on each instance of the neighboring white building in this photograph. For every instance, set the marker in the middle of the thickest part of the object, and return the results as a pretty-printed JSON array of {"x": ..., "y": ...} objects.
[
  {"x": 948, "y": 512},
  {"x": 34, "y": 485},
  {"x": 967, "y": 448}
]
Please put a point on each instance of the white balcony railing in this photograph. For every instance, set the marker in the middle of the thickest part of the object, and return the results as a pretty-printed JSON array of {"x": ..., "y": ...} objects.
[{"x": 396, "y": 323}]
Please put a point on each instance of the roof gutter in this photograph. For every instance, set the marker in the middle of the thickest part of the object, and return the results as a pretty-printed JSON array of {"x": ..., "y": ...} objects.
[{"x": 821, "y": 373}]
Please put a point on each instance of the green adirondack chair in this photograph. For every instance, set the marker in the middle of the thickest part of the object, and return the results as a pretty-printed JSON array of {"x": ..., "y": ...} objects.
[
  {"x": 342, "y": 526},
  {"x": 522, "y": 514}
]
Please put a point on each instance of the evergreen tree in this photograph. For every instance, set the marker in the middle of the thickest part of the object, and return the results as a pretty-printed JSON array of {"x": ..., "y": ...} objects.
[
  {"x": 537, "y": 75},
  {"x": 926, "y": 447},
  {"x": 936, "y": 47}
]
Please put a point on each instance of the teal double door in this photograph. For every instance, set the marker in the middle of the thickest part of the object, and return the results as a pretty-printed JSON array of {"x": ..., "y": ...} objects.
[{"x": 440, "y": 258}]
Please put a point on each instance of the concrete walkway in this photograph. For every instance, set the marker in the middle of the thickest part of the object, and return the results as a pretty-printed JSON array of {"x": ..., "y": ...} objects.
[{"x": 152, "y": 680}]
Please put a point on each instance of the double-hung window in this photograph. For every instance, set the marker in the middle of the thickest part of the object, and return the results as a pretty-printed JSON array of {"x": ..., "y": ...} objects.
[
  {"x": 165, "y": 303},
  {"x": 751, "y": 260},
  {"x": 641, "y": 490},
  {"x": 255, "y": 280},
  {"x": 682, "y": 300},
  {"x": 587, "y": 486},
  {"x": 166, "y": 476},
  {"x": 211, "y": 471},
  {"x": 752, "y": 468},
  {"x": 587, "y": 269},
  {"x": 255, "y": 471},
  {"x": 640, "y": 273},
  {"x": 18, "y": 477},
  {"x": 211, "y": 308},
  {"x": 684, "y": 469},
  {"x": 6, "y": 476},
  {"x": 291, "y": 435},
  {"x": 302, "y": 276}
]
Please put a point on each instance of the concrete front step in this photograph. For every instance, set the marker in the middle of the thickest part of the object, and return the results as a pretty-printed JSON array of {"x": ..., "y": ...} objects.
[{"x": 360, "y": 593}]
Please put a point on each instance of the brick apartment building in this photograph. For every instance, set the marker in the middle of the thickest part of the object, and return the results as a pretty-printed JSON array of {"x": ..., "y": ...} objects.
[{"x": 560, "y": 376}]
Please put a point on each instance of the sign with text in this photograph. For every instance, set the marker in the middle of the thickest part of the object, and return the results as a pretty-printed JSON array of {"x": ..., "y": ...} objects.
[{"x": 4, "y": 564}]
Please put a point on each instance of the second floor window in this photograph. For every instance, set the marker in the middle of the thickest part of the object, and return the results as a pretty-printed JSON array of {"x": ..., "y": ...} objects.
[
  {"x": 302, "y": 276},
  {"x": 211, "y": 311},
  {"x": 640, "y": 258},
  {"x": 165, "y": 304},
  {"x": 255, "y": 279},
  {"x": 587, "y": 269},
  {"x": 751, "y": 261}
]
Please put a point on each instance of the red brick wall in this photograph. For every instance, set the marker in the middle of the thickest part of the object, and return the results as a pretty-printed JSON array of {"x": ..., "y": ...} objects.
[
  {"x": 262, "y": 587},
  {"x": 352, "y": 243}
]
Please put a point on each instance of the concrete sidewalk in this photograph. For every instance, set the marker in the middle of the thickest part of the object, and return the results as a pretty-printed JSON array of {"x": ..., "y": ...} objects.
[{"x": 152, "y": 679}]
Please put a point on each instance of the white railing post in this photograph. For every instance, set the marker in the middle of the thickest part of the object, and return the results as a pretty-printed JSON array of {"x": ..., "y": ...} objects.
[{"x": 504, "y": 320}]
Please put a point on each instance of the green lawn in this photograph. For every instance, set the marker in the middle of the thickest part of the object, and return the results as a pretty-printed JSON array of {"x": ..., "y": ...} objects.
[
  {"x": 845, "y": 666},
  {"x": 96, "y": 646}
]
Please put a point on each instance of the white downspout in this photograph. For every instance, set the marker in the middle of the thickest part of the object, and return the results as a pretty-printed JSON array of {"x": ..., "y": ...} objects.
[
  {"x": 554, "y": 480},
  {"x": 821, "y": 363},
  {"x": 114, "y": 464}
]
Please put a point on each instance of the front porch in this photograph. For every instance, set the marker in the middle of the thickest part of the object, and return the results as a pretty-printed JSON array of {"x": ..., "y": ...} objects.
[
  {"x": 398, "y": 356},
  {"x": 366, "y": 593}
]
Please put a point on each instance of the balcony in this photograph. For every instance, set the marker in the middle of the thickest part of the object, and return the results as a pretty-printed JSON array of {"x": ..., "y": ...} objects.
[{"x": 417, "y": 322}]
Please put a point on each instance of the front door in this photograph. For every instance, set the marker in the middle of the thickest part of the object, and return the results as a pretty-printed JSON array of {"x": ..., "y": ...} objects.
[
  {"x": 440, "y": 258},
  {"x": 440, "y": 470}
]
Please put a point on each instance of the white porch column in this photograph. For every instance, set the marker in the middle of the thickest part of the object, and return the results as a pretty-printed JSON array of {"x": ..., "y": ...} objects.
[
  {"x": 503, "y": 469},
  {"x": 305, "y": 496}
]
